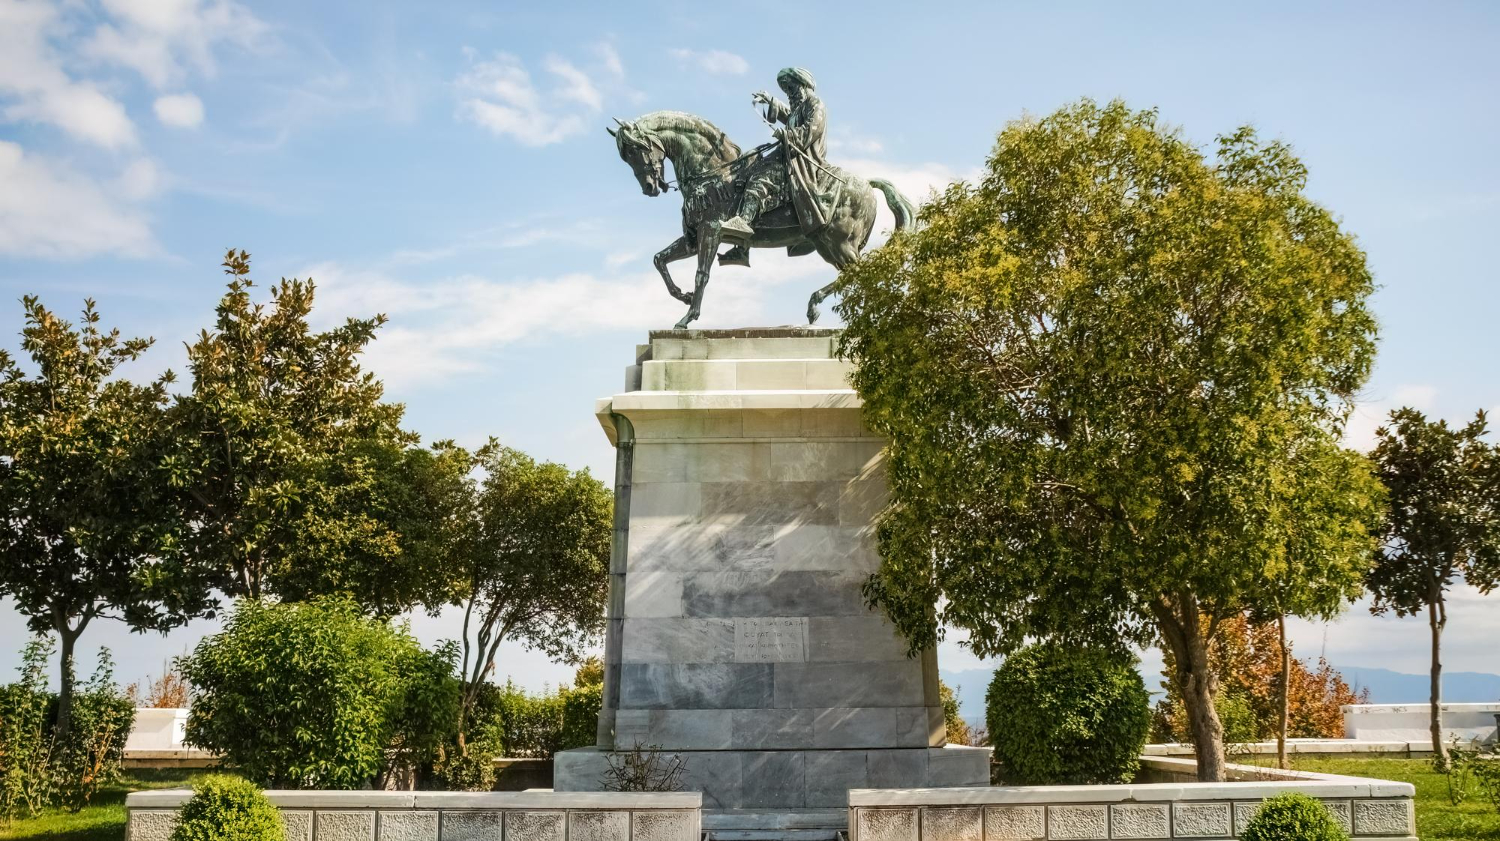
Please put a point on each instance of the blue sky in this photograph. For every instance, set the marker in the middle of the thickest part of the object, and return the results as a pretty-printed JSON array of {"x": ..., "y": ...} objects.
[{"x": 446, "y": 163}]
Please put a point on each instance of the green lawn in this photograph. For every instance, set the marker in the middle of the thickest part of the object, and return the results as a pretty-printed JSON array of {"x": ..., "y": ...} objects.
[
  {"x": 104, "y": 818},
  {"x": 1437, "y": 819}
]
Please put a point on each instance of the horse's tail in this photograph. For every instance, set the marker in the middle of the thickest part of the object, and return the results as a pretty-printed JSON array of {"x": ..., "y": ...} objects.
[{"x": 906, "y": 214}]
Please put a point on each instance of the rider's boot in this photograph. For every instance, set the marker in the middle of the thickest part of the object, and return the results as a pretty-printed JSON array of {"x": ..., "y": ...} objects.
[
  {"x": 737, "y": 229},
  {"x": 736, "y": 256}
]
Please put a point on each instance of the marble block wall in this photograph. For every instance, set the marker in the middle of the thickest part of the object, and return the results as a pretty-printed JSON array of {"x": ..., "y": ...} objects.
[{"x": 738, "y": 635}]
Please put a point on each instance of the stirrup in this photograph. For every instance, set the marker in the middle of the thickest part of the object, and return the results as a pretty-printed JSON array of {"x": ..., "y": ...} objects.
[{"x": 736, "y": 256}]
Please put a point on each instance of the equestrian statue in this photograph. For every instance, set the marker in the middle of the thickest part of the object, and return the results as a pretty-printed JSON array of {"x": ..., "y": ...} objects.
[{"x": 783, "y": 194}]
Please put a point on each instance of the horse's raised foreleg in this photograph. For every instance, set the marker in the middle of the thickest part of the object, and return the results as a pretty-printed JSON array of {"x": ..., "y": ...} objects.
[
  {"x": 708, "y": 247},
  {"x": 680, "y": 249}
]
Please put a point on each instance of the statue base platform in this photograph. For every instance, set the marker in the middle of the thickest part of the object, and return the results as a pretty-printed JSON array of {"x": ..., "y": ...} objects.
[{"x": 738, "y": 636}]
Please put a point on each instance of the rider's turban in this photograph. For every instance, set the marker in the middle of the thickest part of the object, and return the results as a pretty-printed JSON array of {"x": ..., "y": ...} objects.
[{"x": 797, "y": 75}]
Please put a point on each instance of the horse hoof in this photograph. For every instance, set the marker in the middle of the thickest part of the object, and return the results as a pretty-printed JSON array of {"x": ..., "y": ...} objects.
[
  {"x": 686, "y": 320},
  {"x": 812, "y": 313}
]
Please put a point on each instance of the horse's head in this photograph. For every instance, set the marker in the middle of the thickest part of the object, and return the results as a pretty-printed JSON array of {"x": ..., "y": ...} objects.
[{"x": 642, "y": 149}]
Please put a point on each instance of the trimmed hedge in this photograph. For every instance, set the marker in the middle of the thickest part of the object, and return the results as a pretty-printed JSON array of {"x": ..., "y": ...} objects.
[
  {"x": 1293, "y": 817},
  {"x": 1059, "y": 715},
  {"x": 225, "y": 808}
]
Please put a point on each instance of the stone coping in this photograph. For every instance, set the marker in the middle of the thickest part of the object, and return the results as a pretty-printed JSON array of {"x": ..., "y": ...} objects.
[
  {"x": 685, "y": 401},
  {"x": 1301, "y": 746},
  {"x": 1490, "y": 707},
  {"x": 1315, "y": 785},
  {"x": 446, "y": 800}
]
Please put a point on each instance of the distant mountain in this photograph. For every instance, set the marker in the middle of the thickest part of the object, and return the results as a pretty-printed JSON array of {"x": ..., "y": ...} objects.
[{"x": 1386, "y": 687}]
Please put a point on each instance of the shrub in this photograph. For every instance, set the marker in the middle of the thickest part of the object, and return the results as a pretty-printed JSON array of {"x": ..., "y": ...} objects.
[
  {"x": 313, "y": 694},
  {"x": 580, "y": 724},
  {"x": 170, "y": 691},
  {"x": 91, "y": 755},
  {"x": 1293, "y": 817},
  {"x": 37, "y": 769},
  {"x": 225, "y": 808},
  {"x": 25, "y": 736},
  {"x": 1067, "y": 715}
]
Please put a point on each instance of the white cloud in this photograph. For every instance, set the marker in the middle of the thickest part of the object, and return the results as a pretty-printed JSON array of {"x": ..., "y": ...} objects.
[
  {"x": 33, "y": 79},
  {"x": 47, "y": 210},
  {"x": 140, "y": 180},
  {"x": 452, "y": 326},
  {"x": 501, "y": 97},
  {"x": 576, "y": 85},
  {"x": 179, "y": 110},
  {"x": 160, "y": 40},
  {"x": 716, "y": 62},
  {"x": 611, "y": 59}
]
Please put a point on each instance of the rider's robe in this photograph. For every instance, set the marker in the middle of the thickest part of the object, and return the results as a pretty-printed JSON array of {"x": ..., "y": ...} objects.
[{"x": 812, "y": 189}]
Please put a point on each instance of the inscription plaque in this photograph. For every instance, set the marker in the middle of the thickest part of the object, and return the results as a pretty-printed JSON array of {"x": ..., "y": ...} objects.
[{"x": 771, "y": 640}]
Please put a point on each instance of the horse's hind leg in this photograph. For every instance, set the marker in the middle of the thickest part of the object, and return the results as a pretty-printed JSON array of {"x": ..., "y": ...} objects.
[
  {"x": 839, "y": 254},
  {"x": 708, "y": 246},
  {"x": 680, "y": 249}
]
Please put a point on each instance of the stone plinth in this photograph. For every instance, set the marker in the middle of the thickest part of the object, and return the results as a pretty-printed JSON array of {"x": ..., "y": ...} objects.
[{"x": 746, "y": 486}]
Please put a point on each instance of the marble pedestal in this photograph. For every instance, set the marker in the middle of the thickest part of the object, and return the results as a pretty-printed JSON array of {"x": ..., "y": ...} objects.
[{"x": 746, "y": 485}]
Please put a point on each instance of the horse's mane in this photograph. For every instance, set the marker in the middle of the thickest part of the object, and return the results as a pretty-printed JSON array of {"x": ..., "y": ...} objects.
[{"x": 684, "y": 122}]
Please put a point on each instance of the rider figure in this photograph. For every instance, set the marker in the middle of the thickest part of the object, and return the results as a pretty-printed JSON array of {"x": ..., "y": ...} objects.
[{"x": 798, "y": 161}]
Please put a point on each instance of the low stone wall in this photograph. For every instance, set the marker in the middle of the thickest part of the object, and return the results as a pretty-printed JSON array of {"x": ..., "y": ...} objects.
[
  {"x": 1368, "y": 809},
  {"x": 1346, "y": 748},
  {"x": 450, "y": 816},
  {"x": 1411, "y": 722}
]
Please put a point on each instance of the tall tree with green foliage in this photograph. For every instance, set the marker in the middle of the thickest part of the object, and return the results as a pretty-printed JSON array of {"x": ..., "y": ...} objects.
[
  {"x": 537, "y": 565},
  {"x": 88, "y": 527},
  {"x": 296, "y": 477},
  {"x": 1442, "y": 525},
  {"x": 1111, "y": 374}
]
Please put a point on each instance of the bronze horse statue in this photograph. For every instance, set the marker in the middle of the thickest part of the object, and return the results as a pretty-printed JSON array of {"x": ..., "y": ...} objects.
[{"x": 711, "y": 173}]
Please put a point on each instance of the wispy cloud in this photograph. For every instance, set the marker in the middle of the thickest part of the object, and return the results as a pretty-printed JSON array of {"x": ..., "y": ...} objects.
[
  {"x": 181, "y": 110},
  {"x": 47, "y": 210},
  {"x": 38, "y": 89},
  {"x": 453, "y": 326},
  {"x": 501, "y": 95},
  {"x": 716, "y": 62},
  {"x": 1371, "y": 414},
  {"x": 164, "y": 41}
]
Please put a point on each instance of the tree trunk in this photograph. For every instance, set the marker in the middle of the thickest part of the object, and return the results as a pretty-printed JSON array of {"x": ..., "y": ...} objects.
[
  {"x": 69, "y": 639},
  {"x": 1286, "y": 692},
  {"x": 1185, "y": 634},
  {"x": 1437, "y": 617},
  {"x": 1198, "y": 692}
]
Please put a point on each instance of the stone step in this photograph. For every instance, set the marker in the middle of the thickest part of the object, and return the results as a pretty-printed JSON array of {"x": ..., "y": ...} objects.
[
  {"x": 793, "y": 344},
  {"x": 720, "y": 822},
  {"x": 793, "y": 374}
]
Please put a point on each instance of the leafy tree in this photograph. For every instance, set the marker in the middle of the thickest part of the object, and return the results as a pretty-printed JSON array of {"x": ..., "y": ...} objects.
[
  {"x": 1246, "y": 658},
  {"x": 87, "y": 528},
  {"x": 958, "y": 731},
  {"x": 316, "y": 695},
  {"x": 1113, "y": 375},
  {"x": 536, "y": 567},
  {"x": 1442, "y": 525},
  {"x": 383, "y": 528},
  {"x": 288, "y": 456}
]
